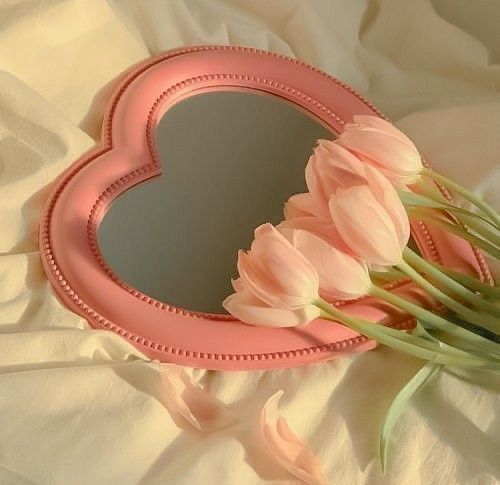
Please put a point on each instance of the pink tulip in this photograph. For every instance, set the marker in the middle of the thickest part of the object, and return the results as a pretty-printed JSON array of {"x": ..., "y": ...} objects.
[
  {"x": 382, "y": 145},
  {"x": 371, "y": 220},
  {"x": 330, "y": 168},
  {"x": 341, "y": 277},
  {"x": 278, "y": 285},
  {"x": 275, "y": 272}
]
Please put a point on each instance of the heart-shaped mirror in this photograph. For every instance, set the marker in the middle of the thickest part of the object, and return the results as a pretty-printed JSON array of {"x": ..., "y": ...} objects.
[
  {"x": 199, "y": 147},
  {"x": 229, "y": 162}
]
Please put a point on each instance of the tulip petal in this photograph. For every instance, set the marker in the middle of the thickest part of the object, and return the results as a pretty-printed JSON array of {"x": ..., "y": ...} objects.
[
  {"x": 189, "y": 403},
  {"x": 341, "y": 277},
  {"x": 381, "y": 125},
  {"x": 275, "y": 272},
  {"x": 237, "y": 284},
  {"x": 300, "y": 205},
  {"x": 249, "y": 309},
  {"x": 331, "y": 167},
  {"x": 288, "y": 450},
  {"x": 387, "y": 196},
  {"x": 381, "y": 147},
  {"x": 365, "y": 226},
  {"x": 319, "y": 226},
  {"x": 395, "y": 158},
  {"x": 314, "y": 182},
  {"x": 341, "y": 168}
]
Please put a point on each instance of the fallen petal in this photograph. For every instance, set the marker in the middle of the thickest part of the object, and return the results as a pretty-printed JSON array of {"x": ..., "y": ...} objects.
[
  {"x": 188, "y": 403},
  {"x": 292, "y": 453}
]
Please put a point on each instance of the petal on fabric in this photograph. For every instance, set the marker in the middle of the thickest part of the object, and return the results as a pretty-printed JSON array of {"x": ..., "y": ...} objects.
[
  {"x": 341, "y": 277},
  {"x": 189, "y": 404},
  {"x": 387, "y": 196},
  {"x": 365, "y": 226},
  {"x": 249, "y": 309},
  {"x": 275, "y": 272},
  {"x": 289, "y": 451}
]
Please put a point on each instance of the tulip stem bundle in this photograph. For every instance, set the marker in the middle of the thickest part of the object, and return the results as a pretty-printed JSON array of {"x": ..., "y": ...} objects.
[
  {"x": 477, "y": 341},
  {"x": 487, "y": 210},
  {"x": 418, "y": 262},
  {"x": 350, "y": 232},
  {"x": 478, "y": 226},
  {"x": 453, "y": 228},
  {"x": 430, "y": 199},
  {"x": 406, "y": 342},
  {"x": 488, "y": 291},
  {"x": 460, "y": 309}
]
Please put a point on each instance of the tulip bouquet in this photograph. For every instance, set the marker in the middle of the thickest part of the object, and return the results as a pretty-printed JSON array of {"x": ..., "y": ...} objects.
[{"x": 349, "y": 234}]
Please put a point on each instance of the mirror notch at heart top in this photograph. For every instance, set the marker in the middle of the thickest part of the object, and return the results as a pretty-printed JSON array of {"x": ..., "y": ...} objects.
[{"x": 199, "y": 147}]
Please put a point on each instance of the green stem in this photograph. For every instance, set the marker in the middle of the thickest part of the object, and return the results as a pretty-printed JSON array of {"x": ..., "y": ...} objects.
[
  {"x": 466, "y": 194},
  {"x": 410, "y": 344},
  {"x": 398, "y": 405},
  {"x": 466, "y": 313},
  {"x": 436, "y": 321},
  {"x": 415, "y": 200},
  {"x": 470, "y": 282},
  {"x": 430, "y": 190},
  {"x": 390, "y": 275},
  {"x": 478, "y": 227},
  {"x": 454, "y": 229},
  {"x": 421, "y": 264}
]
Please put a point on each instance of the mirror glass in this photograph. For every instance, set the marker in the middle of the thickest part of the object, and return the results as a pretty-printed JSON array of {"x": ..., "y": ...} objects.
[{"x": 229, "y": 162}]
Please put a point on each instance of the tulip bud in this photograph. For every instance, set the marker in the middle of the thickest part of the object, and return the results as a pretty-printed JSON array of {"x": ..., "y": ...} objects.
[
  {"x": 331, "y": 167},
  {"x": 278, "y": 286},
  {"x": 382, "y": 145}
]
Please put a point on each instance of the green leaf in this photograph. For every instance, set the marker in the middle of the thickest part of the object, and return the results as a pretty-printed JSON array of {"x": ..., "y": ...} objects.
[{"x": 398, "y": 405}]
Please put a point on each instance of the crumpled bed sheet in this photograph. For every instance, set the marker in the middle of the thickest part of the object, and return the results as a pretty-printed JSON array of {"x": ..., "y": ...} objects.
[{"x": 79, "y": 406}]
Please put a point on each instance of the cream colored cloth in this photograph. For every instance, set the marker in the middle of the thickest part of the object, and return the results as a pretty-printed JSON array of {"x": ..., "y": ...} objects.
[{"x": 79, "y": 406}]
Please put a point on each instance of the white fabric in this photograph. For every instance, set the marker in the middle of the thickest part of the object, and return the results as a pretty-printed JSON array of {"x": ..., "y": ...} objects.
[{"x": 80, "y": 406}]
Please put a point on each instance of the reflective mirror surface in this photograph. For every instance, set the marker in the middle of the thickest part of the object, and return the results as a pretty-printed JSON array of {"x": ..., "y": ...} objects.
[{"x": 230, "y": 161}]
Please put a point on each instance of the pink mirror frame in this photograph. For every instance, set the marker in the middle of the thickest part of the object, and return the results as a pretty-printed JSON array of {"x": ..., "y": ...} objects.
[{"x": 127, "y": 156}]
